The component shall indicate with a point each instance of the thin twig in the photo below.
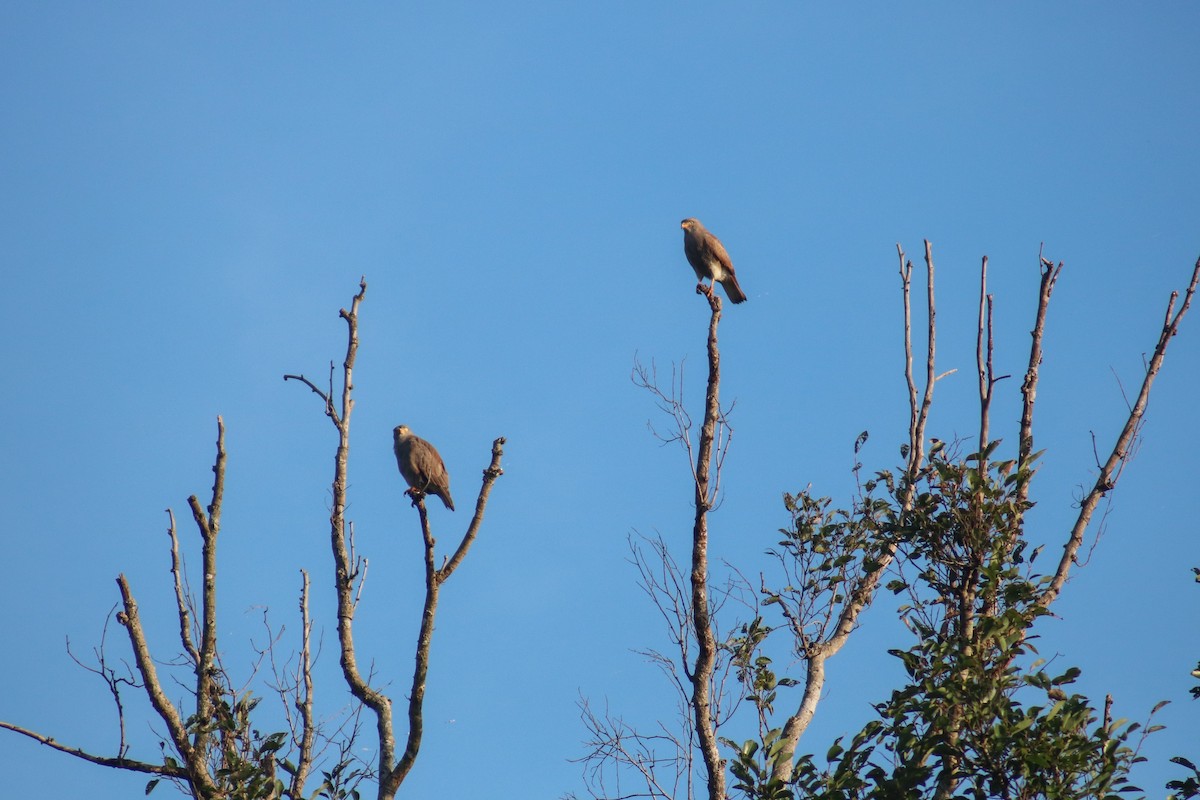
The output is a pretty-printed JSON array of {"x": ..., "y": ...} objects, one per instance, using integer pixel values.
[
  {"x": 110, "y": 678},
  {"x": 181, "y": 596}
]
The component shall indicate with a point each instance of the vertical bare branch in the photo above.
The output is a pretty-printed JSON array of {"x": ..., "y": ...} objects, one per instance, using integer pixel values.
[
  {"x": 1050, "y": 274},
  {"x": 692, "y": 608},
  {"x": 209, "y": 525},
  {"x": 391, "y": 781},
  {"x": 983, "y": 362},
  {"x": 343, "y": 566},
  {"x": 344, "y": 572},
  {"x": 918, "y": 414},
  {"x": 304, "y": 702},
  {"x": 909, "y": 379},
  {"x": 922, "y": 417},
  {"x": 706, "y": 643},
  {"x": 1110, "y": 472}
]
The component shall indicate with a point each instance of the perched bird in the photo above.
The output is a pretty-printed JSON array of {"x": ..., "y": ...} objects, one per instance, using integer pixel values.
[
  {"x": 708, "y": 258},
  {"x": 421, "y": 466}
]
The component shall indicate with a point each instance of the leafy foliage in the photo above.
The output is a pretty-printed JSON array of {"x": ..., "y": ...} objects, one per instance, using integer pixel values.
[
  {"x": 979, "y": 716},
  {"x": 1190, "y": 786}
]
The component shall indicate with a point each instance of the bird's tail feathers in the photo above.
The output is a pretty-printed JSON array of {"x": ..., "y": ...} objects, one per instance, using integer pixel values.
[{"x": 733, "y": 289}]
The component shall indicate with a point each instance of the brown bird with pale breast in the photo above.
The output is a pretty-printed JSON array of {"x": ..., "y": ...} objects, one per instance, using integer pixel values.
[
  {"x": 708, "y": 258},
  {"x": 420, "y": 464}
]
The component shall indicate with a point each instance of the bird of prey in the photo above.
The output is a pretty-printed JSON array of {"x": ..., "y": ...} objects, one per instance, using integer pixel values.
[
  {"x": 421, "y": 466},
  {"x": 708, "y": 258}
]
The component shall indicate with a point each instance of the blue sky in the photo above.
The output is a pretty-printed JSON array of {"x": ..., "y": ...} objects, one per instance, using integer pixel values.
[{"x": 191, "y": 193}]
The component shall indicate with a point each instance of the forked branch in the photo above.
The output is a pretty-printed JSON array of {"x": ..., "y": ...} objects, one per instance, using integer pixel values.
[
  {"x": 391, "y": 771},
  {"x": 434, "y": 578}
]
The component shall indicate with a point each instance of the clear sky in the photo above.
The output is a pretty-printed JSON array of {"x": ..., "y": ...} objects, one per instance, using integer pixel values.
[{"x": 189, "y": 193}]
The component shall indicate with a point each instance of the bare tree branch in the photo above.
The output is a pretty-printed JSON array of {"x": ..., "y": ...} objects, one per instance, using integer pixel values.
[
  {"x": 614, "y": 742},
  {"x": 702, "y": 672},
  {"x": 1106, "y": 481},
  {"x": 209, "y": 525},
  {"x": 490, "y": 475},
  {"x": 304, "y": 700},
  {"x": 861, "y": 591},
  {"x": 391, "y": 772},
  {"x": 197, "y": 770},
  {"x": 183, "y": 606},
  {"x": 344, "y": 573},
  {"x": 1050, "y": 274},
  {"x": 111, "y": 679},
  {"x": 686, "y": 606},
  {"x": 918, "y": 415},
  {"x": 434, "y": 578},
  {"x": 104, "y": 761},
  {"x": 326, "y": 397},
  {"x": 983, "y": 362}
]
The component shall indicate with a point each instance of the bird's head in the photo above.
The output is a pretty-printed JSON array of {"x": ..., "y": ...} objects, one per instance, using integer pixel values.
[
  {"x": 690, "y": 224},
  {"x": 400, "y": 431}
]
